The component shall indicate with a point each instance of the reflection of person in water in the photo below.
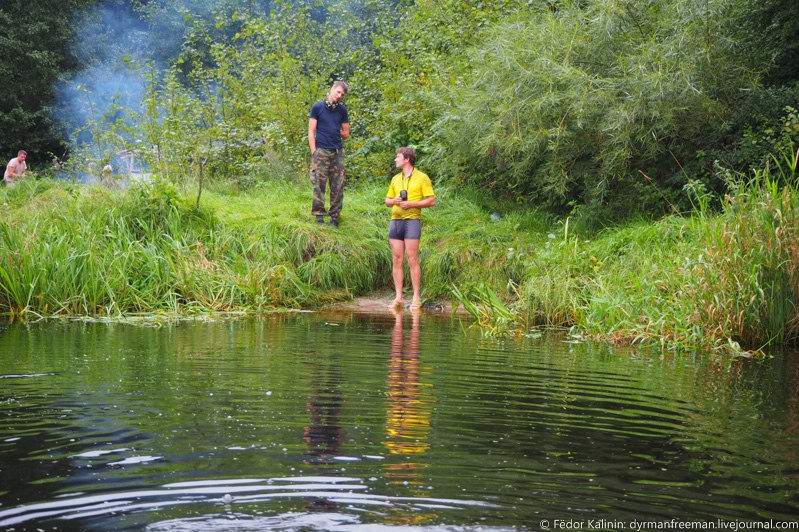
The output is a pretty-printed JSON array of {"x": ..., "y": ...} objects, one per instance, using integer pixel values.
[
  {"x": 408, "y": 418},
  {"x": 324, "y": 434}
]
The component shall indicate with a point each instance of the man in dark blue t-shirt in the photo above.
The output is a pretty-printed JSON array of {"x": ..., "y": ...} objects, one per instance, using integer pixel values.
[{"x": 328, "y": 123}]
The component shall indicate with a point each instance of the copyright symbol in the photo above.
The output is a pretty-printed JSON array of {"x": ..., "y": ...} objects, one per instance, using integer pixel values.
[{"x": 544, "y": 524}]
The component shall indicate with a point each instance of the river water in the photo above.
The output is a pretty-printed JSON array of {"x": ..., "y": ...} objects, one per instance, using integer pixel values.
[{"x": 341, "y": 422}]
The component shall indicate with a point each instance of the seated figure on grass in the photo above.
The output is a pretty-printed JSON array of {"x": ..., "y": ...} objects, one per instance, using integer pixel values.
[{"x": 410, "y": 191}]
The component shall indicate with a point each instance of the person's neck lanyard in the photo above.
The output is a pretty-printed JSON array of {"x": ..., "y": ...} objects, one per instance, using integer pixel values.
[{"x": 404, "y": 184}]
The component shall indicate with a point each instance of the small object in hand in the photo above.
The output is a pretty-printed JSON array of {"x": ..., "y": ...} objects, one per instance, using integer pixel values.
[{"x": 404, "y": 195}]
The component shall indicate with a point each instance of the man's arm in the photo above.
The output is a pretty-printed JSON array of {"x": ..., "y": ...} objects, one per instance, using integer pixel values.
[
  {"x": 392, "y": 198},
  {"x": 429, "y": 201},
  {"x": 312, "y": 134},
  {"x": 345, "y": 130}
]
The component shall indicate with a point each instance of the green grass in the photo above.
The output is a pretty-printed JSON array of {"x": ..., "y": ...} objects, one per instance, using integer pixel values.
[{"x": 705, "y": 281}]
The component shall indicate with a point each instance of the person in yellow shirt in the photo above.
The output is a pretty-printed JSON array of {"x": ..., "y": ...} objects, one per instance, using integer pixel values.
[{"x": 410, "y": 191}]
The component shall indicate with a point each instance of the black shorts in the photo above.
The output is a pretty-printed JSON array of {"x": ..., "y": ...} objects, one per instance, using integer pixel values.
[{"x": 405, "y": 229}]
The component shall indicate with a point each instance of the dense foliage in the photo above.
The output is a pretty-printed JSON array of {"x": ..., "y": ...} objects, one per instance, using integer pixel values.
[
  {"x": 598, "y": 99},
  {"x": 596, "y": 109},
  {"x": 594, "y": 105},
  {"x": 709, "y": 281}
]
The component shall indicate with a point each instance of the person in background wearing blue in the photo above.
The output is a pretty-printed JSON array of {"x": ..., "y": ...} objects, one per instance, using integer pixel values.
[{"x": 328, "y": 124}]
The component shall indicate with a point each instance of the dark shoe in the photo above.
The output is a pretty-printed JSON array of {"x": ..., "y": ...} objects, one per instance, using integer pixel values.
[
  {"x": 334, "y": 222},
  {"x": 320, "y": 220}
]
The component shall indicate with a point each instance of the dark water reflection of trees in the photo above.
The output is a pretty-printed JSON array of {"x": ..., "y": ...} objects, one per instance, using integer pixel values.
[{"x": 412, "y": 406}]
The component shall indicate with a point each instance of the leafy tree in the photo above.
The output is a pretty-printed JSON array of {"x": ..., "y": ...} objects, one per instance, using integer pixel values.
[
  {"x": 597, "y": 100},
  {"x": 265, "y": 77},
  {"x": 425, "y": 52},
  {"x": 33, "y": 55},
  {"x": 779, "y": 25}
]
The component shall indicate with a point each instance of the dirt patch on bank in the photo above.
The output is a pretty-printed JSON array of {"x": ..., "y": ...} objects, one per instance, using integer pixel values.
[{"x": 380, "y": 303}]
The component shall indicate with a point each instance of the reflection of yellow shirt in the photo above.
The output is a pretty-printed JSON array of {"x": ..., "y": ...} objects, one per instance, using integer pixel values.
[
  {"x": 418, "y": 186},
  {"x": 409, "y": 409}
]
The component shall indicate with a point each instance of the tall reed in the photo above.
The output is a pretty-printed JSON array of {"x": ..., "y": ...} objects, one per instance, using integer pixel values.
[{"x": 747, "y": 281}]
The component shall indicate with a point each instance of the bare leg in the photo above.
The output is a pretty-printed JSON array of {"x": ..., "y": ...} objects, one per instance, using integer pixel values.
[
  {"x": 397, "y": 251},
  {"x": 412, "y": 250}
]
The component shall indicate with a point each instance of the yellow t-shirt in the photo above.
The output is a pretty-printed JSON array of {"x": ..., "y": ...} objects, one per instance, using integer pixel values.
[{"x": 418, "y": 186}]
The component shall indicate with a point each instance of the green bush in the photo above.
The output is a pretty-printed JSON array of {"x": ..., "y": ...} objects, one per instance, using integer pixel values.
[{"x": 592, "y": 100}]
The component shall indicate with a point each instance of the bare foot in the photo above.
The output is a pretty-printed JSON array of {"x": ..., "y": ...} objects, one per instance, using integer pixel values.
[
  {"x": 397, "y": 303},
  {"x": 416, "y": 303}
]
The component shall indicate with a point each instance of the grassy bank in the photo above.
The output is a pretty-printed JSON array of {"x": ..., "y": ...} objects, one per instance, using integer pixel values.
[{"x": 708, "y": 281}]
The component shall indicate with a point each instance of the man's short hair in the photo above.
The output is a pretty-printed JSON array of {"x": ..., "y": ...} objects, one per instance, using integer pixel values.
[
  {"x": 341, "y": 83},
  {"x": 408, "y": 153},
  {"x": 22, "y": 152}
]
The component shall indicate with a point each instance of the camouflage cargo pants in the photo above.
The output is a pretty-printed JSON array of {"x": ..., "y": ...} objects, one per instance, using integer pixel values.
[{"x": 327, "y": 166}]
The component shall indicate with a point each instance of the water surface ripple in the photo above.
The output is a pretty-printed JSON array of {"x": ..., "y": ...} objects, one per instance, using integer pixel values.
[{"x": 341, "y": 422}]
